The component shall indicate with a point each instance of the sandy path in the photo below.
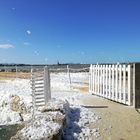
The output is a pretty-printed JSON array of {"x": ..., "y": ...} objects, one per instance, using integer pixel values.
[{"x": 118, "y": 122}]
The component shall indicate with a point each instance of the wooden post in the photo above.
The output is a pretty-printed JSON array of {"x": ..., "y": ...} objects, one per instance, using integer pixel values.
[
  {"x": 134, "y": 87},
  {"x": 16, "y": 72},
  {"x": 47, "y": 90},
  {"x": 90, "y": 79},
  {"x": 33, "y": 94},
  {"x": 68, "y": 71}
]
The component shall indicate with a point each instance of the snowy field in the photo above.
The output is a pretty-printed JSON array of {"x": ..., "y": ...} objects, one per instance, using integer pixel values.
[{"x": 79, "y": 117}]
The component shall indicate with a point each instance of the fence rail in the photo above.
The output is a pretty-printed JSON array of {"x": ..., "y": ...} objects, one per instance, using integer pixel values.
[{"x": 113, "y": 82}]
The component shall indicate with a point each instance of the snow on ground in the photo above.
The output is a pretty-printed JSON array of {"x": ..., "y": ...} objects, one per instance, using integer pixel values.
[
  {"x": 8, "y": 89},
  {"x": 79, "y": 117},
  {"x": 61, "y": 81},
  {"x": 42, "y": 126}
]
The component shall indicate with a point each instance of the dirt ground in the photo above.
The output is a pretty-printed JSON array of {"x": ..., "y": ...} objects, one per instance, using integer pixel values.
[
  {"x": 118, "y": 122},
  {"x": 13, "y": 75}
]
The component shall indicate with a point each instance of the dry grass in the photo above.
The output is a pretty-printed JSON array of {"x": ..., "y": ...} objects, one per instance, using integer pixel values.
[
  {"x": 83, "y": 89},
  {"x": 13, "y": 75}
]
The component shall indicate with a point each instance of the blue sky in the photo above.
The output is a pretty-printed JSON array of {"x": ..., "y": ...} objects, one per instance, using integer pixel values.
[{"x": 69, "y": 31}]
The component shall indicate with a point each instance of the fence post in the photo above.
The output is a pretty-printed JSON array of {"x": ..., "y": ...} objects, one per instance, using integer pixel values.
[
  {"x": 16, "y": 72},
  {"x": 68, "y": 72},
  {"x": 134, "y": 86},
  {"x": 33, "y": 94},
  {"x": 47, "y": 90},
  {"x": 129, "y": 84},
  {"x": 90, "y": 79}
]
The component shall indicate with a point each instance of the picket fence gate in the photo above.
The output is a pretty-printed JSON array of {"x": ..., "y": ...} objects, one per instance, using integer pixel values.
[{"x": 113, "y": 81}]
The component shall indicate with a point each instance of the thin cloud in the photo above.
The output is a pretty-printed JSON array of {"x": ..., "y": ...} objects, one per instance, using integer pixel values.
[
  {"x": 59, "y": 46},
  {"x": 6, "y": 46},
  {"x": 46, "y": 59},
  {"x": 36, "y": 52},
  {"x": 13, "y": 8},
  {"x": 28, "y": 32},
  {"x": 26, "y": 44}
]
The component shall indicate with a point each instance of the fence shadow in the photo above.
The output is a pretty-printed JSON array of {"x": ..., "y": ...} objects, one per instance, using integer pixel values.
[
  {"x": 95, "y": 106},
  {"x": 72, "y": 127},
  {"x": 138, "y": 110}
]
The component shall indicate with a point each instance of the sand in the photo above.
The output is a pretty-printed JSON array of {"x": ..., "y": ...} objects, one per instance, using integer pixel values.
[{"x": 118, "y": 122}]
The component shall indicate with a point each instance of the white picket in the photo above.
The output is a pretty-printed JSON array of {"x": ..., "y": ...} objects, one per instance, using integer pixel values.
[
  {"x": 129, "y": 85},
  {"x": 112, "y": 82},
  {"x": 109, "y": 82},
  {"x": 124, "y": 84},
  {"x": 103, "y": 80},
  {"x": 120, "y": 84}
]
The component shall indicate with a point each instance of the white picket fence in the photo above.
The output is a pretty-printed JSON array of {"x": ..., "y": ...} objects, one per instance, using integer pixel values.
[
  {"x": 40, "y": 81},
  {"x": 114, "y": 82}
]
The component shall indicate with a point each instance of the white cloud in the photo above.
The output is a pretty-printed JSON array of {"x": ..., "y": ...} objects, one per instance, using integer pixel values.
[
  {"x": 28, "y": 32},
  {"x": 82, "y": 53},
  {"x": 46, "y": 59},
  {"x": 13, "y": 8},
  {"x": 36, "y": 52},
  {"x": 6, "y": 46},
  {"x": 59, "y": 46},
  {"x": 26, "y": 43}
]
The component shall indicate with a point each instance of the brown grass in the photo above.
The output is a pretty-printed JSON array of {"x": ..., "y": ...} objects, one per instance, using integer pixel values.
[
  {"x": 83, "y": 89},
  {"x": 13, "y": 75}
]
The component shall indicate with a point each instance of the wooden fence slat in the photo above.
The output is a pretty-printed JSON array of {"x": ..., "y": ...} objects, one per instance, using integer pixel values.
[
  {"x": 95, "y": 79},
  {"x": 93, "y": 76},
  {"x": 116, "y": 83},
  {"x": 109, "y": 82},
  {"x": 113, "y": 87},
  {"x": 120, "y": 84},
  {"x": 90, "y": 79},
  {"x": 98, "y": 79},
  {"x": 101, "y": 80},
  {"x": 92, "y": 83},
  {"x": 124, "y": 84},
  {"x": 103, "y": 83},
  {"x": 129, "y": 84},
  {"x": 106, "y": 95}
]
